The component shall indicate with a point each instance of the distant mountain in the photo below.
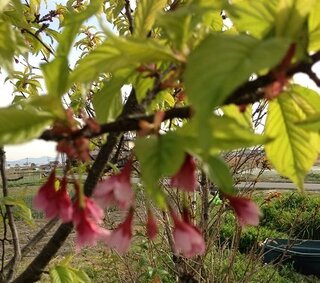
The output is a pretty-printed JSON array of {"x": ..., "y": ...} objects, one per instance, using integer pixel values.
[{"x": 36, "y": 160}]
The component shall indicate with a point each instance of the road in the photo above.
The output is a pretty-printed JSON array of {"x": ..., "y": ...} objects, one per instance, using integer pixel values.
[{"x": 280, "y": 186}]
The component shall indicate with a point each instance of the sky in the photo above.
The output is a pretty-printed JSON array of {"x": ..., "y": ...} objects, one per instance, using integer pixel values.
[{"x": 38, "y": 148}]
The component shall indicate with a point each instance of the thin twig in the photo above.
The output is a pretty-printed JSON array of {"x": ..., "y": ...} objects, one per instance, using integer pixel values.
[
  {"x": 11, "y": 223},
  {"x": 127, "y": 8}
]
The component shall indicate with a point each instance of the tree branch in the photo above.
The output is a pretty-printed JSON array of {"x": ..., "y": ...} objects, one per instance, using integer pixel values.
[
  {"x": 12, "y": 225},
  {"x": 249, "y": 92}
]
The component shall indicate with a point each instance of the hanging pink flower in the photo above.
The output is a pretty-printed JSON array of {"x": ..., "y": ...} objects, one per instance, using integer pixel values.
[
  {"x": 247, "y": 211},
  {"x": 54, "y": 202},
  {"x": 187, "y": 238},
  {"x": 63, "y": 201},
  {"x": 186, "y": 178},
  {"x": 152, "y": 226},
  {"x": 120, "y": 238},
  {"x": 43, "y": 199},
  {"x": 86, "y": 220},
  {"x": 116, "y": 189}
]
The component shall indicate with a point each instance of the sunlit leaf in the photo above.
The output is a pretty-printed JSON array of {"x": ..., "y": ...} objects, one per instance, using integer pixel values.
[
  {"x": 312, "y": 123},
  {"x": 314, "y": 27},
  {"x": 20, "y": 209},
  {"x": 292, "y": 16},
  {"x": 254, "y": 17},
  {"x": 145, "y": 15},
  {"x": 7, "y": 45},
  {"x": 60, "y": 274},
  {"x": 293, "y": 150}
]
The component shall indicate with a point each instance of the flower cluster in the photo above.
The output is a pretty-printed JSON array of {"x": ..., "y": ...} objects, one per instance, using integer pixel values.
[{"x": 87, "y": 214}]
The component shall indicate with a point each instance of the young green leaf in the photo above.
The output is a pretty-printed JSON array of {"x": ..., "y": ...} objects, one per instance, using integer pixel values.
[
  {"x": 312, "y": 123},
  {"x": 17, "y": 126},
  {"x": 293, "y": 150},
  {"x": 292, "y": 16},
  {"x": 61, "y": 274},
  {"x": 253, "y": 17},
  {"x": 145, "y": 15},
  {"x": 7, "y": 45},
  {"x": 223, "y": 62},
  {"x": 314, "y": 27},
  {"x": 20, "y": 209}
]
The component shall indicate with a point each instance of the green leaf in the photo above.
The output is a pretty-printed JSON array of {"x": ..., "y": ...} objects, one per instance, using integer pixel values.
[
  {"x": 293, "y": 150},
  {"x": 3, "y": 4},
  {"x": 56, "y": 72},
  {"x": 307, "y": 99},
  {"x": 177, "y": 26},
  {"x": 50, "y": 104},
  {"x": 312, "y": 123},
  {"x": 56, "y": 75},
  {"x": 292, "y": 16},
  {"x": 253, "y": 17},
  {"x": 142, "y": 85},
  {"x": 145, "y": 15},
  {"x": 118, "y": 53},
  {"x": 61, "y": 274},
  {"x": 158, "y": 157},
  {"x": 219, "y": 173},
  {"x": 7, "y": 45},
  {"x": 21, "y": 209},
  {"x": 243, "y": 118},
  {"x": 17, "y": 126},
  {"x": 218, "y": 134},
  {"x": 221, "y": 63},
  {"x": 107, "y": 102},
  {"x": 314, "y": 27},
  {"x": 79, "y": 276}
]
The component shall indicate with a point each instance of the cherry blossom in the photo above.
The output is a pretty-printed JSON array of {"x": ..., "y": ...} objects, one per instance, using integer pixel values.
[
  {"x": 86, "y": 220},
  {"x": 187, "y": 238},
  {"x": 54, "y": 202},
  {"x": 247, "y": 211},
  {"x": 152, "y": 226},
  {"x": 116, "y": 189},
  {"x": 186, "y": 178},
  {"x": 120, "y": 238}
]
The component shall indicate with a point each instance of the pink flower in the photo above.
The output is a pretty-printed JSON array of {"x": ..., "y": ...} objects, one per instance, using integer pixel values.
[
  {"x": 152, "y": 226},
  {"x": 116, "y": 189},
  {"x": 120, "y": 238},
  {"x": 86, "y": 220},
  {"x": 64, "y": 204},
  {"x": 186, "y": 178},
  {"x": 247, "y": 211},
  {"x": 187, "y": 238},
  {"x": 54, "y": 202}
]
